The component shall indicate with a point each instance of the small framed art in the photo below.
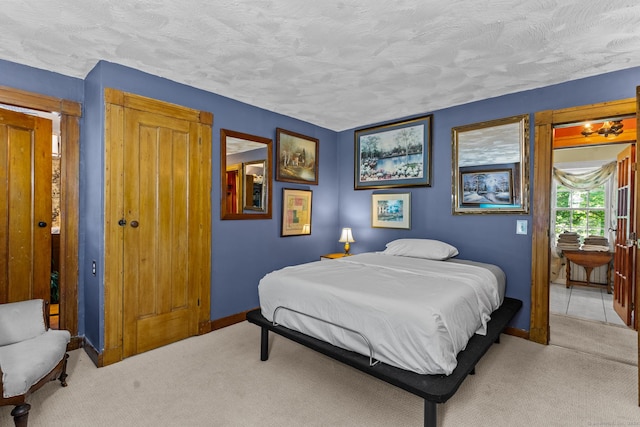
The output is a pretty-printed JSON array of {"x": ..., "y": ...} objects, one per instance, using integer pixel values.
[
  {"x": 296, "y": 157},
  {"x": 296, "y": 212},
  {"x": 391, "y": 210}
]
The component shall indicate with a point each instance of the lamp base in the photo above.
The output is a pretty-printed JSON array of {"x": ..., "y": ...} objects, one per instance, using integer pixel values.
[{"x": 347, "y": 246}]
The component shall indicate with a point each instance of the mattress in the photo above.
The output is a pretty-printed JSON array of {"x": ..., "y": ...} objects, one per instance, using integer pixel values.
[{"x": 411, "y": 313}]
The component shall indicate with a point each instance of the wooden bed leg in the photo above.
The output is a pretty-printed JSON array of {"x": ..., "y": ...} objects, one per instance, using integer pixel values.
[
  {"x": 430, "y": 414},
  {"x": 264, "y": 344}
]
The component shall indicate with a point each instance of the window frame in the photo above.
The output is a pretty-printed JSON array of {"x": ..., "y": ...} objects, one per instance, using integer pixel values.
[{"x": 610, "y": 206}]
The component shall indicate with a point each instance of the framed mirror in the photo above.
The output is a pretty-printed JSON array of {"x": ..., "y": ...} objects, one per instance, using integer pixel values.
[
  {"x": 245, "y": 164},
  {"x": 491, "y": 167}
]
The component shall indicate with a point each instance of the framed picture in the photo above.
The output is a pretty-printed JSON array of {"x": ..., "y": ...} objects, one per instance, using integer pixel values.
[
  {"x": 296, "y": 212},
  {"x": 296, "y": 157},
  {"x": 490, "y": 165},
  {"x": 391, "y": 210},
  {"x": 488, "y": 186},
  {"x": 394, "y": 155}
]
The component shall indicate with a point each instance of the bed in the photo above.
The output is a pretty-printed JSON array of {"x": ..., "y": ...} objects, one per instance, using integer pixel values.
[{"x": 411, "y": 315}]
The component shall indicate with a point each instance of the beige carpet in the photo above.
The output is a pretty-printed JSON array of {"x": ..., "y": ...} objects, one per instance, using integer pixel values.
[
  {"x": 605, "y": 340},
  {"x": 218, "y": 380}
]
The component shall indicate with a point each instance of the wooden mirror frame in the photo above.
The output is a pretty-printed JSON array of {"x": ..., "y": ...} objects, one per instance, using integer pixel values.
[{"x": 268, "y": 182}]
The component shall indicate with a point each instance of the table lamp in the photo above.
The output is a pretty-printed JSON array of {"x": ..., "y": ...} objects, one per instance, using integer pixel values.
[{"x": 346, "y": 237}]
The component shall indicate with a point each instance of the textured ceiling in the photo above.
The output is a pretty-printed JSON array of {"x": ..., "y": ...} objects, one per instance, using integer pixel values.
[{"x": 334, "y": 63}]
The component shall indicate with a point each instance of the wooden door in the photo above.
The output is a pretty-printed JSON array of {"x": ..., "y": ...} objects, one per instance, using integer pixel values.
[
  {"x": 160, "y": 304},
  {"x": 625, "y": 253},
  {"x": 233, "y": 176},
  {"x": 25, "y": 209},
  {"x": 636, "y": 289},
  {"x": 158, "y": 225}
]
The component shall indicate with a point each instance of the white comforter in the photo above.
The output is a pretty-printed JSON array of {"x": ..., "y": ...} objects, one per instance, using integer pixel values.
[{"x": 417, "y": 314}]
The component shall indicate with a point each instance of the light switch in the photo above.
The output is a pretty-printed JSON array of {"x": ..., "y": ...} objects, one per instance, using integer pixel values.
[{"x": 521, "y": 226}]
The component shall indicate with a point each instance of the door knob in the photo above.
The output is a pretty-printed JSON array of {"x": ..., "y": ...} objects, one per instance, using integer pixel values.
[
  {"x": 42, "y": 224},
  {"x": 134, "y": 224}
]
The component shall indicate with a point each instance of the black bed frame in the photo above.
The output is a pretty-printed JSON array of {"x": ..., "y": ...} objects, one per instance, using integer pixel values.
[{"x": 433, "y": 389}]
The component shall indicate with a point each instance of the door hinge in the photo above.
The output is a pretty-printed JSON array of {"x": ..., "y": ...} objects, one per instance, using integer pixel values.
[{"x": 634, "y": 167}]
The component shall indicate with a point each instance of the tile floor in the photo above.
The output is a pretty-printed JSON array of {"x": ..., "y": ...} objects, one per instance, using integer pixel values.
[{"x": 580, "y": 301}]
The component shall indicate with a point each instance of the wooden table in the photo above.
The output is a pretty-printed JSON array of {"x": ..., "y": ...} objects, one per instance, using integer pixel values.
[{"x": 589, "y": 260}]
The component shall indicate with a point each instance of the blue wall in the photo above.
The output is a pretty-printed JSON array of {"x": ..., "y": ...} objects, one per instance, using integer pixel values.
[
  {"x": 336, "y": 204},
  {"x": 488, "y": 238},
  {"x": 242, "y": 251},
  {"x": 31, "y": 79}
]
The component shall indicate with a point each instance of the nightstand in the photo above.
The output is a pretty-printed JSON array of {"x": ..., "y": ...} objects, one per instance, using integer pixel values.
[{"x": 333, "y": 256}]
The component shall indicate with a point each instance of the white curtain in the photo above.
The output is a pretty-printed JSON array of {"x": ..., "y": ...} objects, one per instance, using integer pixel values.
[{"x": 585, "y": 181}]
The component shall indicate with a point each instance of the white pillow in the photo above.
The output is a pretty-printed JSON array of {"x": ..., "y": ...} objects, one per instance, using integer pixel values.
[{"x": 421, "y": 248}]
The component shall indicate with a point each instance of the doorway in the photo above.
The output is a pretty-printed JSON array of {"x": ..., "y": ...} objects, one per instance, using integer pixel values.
[
  {"x": 585, "y": 213},
  {"x": 70, "y": 112},
  {"x": 51, "y": 218},
  {"x": 544, "y": 124}
]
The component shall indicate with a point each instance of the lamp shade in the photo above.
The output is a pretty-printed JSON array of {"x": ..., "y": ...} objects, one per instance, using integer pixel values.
[{"x": 346, "y": 236}]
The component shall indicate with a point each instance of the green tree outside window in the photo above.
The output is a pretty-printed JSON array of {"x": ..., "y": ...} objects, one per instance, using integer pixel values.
[{"x": 582, "y": 212}]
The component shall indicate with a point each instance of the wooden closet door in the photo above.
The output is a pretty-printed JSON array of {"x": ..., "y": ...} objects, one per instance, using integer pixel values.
[
  {"x": 25, "y": 207},
  {"x": 161, "y": 304},
  {"x": 157, "y": 230}
]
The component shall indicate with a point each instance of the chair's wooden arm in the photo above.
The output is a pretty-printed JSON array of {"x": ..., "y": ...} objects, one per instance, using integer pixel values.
[{"x": 45, "y": 312}]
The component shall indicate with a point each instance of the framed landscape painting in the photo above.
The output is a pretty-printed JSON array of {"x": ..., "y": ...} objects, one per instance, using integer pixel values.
[
  {"x": 296, "y": 157},
  {"x": 394, "y": 155},
  {"x": 488, "y": 186},
  {"x": 391, "y": 210}
]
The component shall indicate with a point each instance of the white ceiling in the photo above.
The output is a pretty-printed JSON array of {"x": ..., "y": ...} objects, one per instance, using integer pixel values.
[{"x": 335, "y": 63}]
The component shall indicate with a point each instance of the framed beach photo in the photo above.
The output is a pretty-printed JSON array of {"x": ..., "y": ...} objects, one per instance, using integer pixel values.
[
  {"x": 391, "y": 210},
  {"x": 394, "y": 155},
  {"x": 296, "y": 157},
  {"x": 296, "y": 212}
]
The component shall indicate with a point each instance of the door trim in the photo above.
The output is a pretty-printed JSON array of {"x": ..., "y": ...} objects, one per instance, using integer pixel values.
[
  {"x": 544, "y": 122},
  {"x": 71, "y": 112}
]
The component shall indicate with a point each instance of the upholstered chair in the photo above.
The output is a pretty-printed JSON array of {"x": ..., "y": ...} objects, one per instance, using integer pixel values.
[{"x": 31, "y": 354}]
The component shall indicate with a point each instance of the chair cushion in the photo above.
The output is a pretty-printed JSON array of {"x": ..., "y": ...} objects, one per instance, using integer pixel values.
[
  {"x": 25, "y": 363},
  {"x": 21, "y": 321}
]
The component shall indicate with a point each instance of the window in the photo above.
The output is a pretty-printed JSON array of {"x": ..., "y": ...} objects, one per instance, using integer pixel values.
[{"x": 583, "y": 212}]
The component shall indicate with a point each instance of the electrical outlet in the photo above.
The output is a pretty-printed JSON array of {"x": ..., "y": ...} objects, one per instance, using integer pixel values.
[{"x": 93, "y": 268}]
